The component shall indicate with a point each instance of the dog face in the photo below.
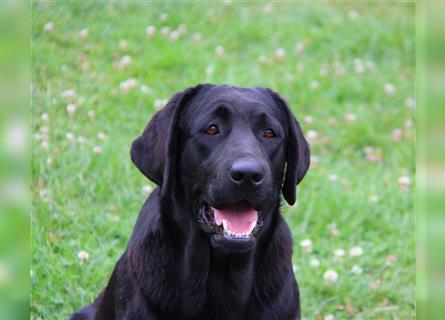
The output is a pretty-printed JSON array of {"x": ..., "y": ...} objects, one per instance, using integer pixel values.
[{"x": 225, "y": 150}]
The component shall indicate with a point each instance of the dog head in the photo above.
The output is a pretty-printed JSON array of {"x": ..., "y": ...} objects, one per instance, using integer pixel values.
[{"x": 228, "y": 152}]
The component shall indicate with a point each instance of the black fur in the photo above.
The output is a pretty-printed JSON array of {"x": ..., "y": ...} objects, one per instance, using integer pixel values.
[{"x": 172, "y": 267}]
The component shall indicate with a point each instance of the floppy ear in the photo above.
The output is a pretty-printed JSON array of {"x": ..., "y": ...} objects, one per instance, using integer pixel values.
[
  {"x": 297, "y": 153},
  {"x": 154, "y": 151}
]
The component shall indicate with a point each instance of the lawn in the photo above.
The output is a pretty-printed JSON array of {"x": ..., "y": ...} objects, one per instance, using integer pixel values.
[{"x": 100, "y": 71}]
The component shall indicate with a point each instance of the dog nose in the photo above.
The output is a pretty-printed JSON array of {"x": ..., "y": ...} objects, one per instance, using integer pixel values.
[{"x": 247, "y": 171}]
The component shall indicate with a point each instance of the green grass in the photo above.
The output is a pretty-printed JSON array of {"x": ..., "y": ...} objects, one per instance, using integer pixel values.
[{"x": 87, "y": 201}]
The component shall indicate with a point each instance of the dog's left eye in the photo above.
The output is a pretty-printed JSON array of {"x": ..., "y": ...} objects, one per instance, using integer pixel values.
[
  {"x": 212, "y": 130},
  {"x": 269, "y": 133}
]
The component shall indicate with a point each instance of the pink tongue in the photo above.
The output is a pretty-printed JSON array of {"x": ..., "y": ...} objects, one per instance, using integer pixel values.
[{"x": 238, "y": 220}]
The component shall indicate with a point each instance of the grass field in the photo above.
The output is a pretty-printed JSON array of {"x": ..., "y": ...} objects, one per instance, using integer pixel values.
[{"x": 99, "y": 74}]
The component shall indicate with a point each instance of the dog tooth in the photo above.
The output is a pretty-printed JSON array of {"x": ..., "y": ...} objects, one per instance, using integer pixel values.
[{"x": 225, "y": 227}]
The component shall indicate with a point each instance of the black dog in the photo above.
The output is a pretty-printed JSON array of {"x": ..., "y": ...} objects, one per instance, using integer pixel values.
[{"x": 210, "y": 242}]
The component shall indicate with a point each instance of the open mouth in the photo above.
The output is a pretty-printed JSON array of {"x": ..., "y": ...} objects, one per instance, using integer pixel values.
[{"x": 237, "y": 222}]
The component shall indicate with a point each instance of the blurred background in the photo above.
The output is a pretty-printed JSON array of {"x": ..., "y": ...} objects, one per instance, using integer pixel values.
[{"x": 100, "y": 71}]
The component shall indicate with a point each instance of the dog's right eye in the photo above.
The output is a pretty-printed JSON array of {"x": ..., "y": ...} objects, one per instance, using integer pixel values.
[{"x": 212, "y": 130}]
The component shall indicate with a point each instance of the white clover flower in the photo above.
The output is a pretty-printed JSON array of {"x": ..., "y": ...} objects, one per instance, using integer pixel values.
[
  {"x": 359, "y": 66},
  {"x": 124, "y": 62},
  {"x": 396, "y": 134},
  {"x": 333, "y": 177},
  {"x": 306, "y": 244},
  {"x": 356, "y": 269},
  {"x": 373, "y": 154},
  {"x": 209, "y": 70},
  {"x": 127, "y": 85},
  {"x": 174, "y": 35},
  {"x": 147, "y": 189},
  {"x": 299, "y": 47},
  {"x": 101, "y": 136},
  {"x": 211, "y": 14},
  {"x": 314, "y": 262},
  {"x": 197, "y": 37},
  {"x": 83, "y": 256},
  {"x": 404, "y": 182},
  {"x": 97, "y": 149},
  {"x": 410, "y": 103},
  {"x": 314, "y": 85},
  {"x": 165, "y": 30},
  {"x": 49, "y": 161},
  {"x": 356, "y": 251},
  {"x": 333, "y": 229},
  {"x": 350, "y": 117},
  {"x": 311, "y": 136},
  {"x": 391, "y": 259},
  {"x": 123, "y": 45},
  {"x": 150, "y": 31},
  {"x": 314, "y": 161},
  {"x": 339, "y": 254},
  {"x": 373, "y": 198},
  {"x": 353, "y": 15},
  {"x": 389, "y": 89},
  {"x": 85, "y": 66},
  {"x": 219, "y": 50},
  {"x": 182, "y": 29},
  {"x": 69, "y": 94},
  {"x": 330, "y": 276},
  {"x": 409, "y": 123},
  {"x": 69, "y": 136},
  {"x": 145, "y": 89},
  {"x": 48, "y": 27},
  {"x": 84, "y": 33},
  {"x": 71, "y": 108},
  {"x": 45, "y": 144},
  {"x": 80, "y": 102},
  {"x": 280, "y": 54},
  {"x": 44, "y": 117},
  {"x": 329, "y": 317},
  {"x": 113, "y": 217},
  {"x": 339, "y": 70},
  {"x": 324, "y": 70},
  {"x": 159, "y": 104},
  {"x": 308, "y": 119},
  {"x": 91, "y": 114},
  {"x": 262, "y": 59}
]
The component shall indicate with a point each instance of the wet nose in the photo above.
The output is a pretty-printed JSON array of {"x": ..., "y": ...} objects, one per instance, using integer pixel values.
[{"x": 247, "y": 172}]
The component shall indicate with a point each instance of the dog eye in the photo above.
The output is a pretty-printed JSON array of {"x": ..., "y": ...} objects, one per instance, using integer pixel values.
[
  {"x": 269, "y": 133},
  {"x": 212, "y": 130}
]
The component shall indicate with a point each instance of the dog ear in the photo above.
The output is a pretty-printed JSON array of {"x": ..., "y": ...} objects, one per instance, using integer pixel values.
[
  {"x": 297, "y": 153},
  {"x": 154, "y": 151}
]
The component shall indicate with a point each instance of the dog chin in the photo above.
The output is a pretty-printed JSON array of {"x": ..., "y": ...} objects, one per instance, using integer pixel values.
[{"x": 232, "y": 245}]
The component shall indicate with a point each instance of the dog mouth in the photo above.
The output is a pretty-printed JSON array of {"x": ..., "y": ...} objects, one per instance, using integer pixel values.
[{"x": 236, "y": 222}]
